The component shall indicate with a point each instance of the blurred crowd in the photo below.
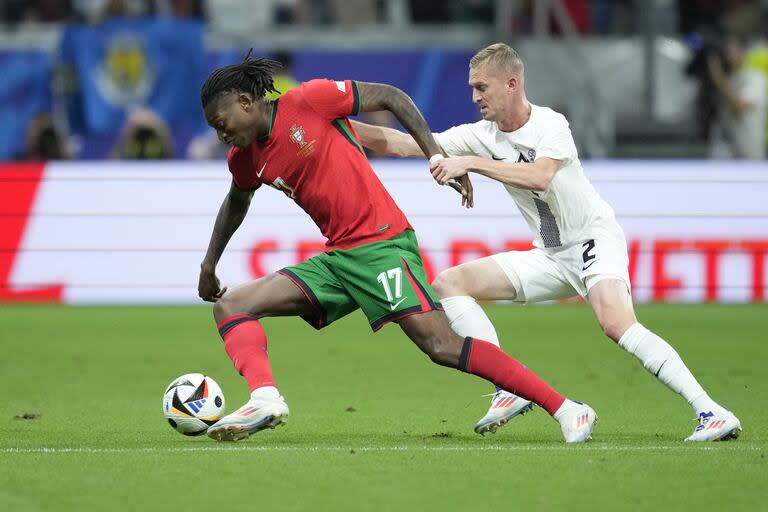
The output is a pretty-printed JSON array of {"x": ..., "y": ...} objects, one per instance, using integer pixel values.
[
  {"x": 588, "y": 17},
  {"x": 728, "y": 40}
]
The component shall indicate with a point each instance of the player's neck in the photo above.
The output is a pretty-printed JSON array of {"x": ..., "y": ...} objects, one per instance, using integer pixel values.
[
  {"x": 520, "y": 115},
  {"x": 265, "y": 120}
]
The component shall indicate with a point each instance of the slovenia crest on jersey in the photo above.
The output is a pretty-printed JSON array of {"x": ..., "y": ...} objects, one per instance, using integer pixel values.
[
  {"x": 299, "y": 137},
  {"x": 531, "y": 155}
]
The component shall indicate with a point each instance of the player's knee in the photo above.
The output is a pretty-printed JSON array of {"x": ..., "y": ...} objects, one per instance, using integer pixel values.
[
  {"x": 228, "y": 306},
  {"x": 614, "y": 329},
  {"x": 448, "y": 283}
]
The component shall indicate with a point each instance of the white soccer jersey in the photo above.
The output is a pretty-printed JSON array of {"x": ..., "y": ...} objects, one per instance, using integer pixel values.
[{"x": 570, "y": 211}]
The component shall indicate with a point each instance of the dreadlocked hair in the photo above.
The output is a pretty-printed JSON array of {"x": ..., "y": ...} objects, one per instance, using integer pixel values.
[{"x": 254, "y": 76}]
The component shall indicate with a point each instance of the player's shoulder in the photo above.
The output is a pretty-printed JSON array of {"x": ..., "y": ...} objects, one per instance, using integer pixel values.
[
  {"x": 480, "y": 128},
  {"x": 321, "y": 85},
  {"x": 548, "y": 116}
]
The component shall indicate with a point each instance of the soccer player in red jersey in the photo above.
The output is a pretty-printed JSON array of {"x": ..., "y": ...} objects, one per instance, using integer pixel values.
[{"x": 303, "y": 145}]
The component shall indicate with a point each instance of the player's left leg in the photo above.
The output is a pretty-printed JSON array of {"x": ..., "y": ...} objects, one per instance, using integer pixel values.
[
  {"x": 612, "y": 303},
  {"x": 308, "y": 290}
]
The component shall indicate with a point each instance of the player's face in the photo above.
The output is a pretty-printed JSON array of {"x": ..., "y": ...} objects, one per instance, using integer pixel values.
[
  {"x": 492, "y": 91},
  {"x": 234, "y": 116}
]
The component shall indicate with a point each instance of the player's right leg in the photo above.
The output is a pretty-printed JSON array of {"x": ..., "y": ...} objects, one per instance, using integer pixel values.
[
  {"x": 237, "y": 314},
  {"x": 431, "y": 332},
  {"x": 459, "y": 289}
]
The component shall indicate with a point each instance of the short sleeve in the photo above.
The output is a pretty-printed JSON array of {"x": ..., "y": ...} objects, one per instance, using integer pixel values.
[
  {"x": 557, "y": 142},
  {"x": 332, "y": 99},
  {"x": 456, "y": 141},
  {"x": 239, "y": 162}
]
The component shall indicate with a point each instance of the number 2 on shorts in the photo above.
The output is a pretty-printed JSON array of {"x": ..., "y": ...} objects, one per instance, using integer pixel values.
[{"x": 384, "y": 278}]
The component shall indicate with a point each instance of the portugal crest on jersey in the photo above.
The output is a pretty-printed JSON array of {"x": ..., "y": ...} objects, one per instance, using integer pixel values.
[{"x": 299, "y": 136}]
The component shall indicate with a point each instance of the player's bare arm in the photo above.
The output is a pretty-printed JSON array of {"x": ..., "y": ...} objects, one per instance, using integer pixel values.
[
  {"x": 386, "y": 141},
  {"x": 230, "y": 216},
  {"x": 536, "y": 175},
  {"x": 375, "y": 97}
]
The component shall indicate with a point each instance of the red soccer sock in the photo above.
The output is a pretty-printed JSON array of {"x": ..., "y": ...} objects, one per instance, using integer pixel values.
[
  {"x": 488, "y": 361},
  {"x": 246, "y": 344}
]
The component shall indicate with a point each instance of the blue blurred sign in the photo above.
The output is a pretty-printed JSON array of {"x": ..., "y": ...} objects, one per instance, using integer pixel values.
[
  {"x": 127, "y": 63},
  {"x": 24, "y": 92}
]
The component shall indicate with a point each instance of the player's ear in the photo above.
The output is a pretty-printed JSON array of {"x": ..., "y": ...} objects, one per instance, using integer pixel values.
[{"x": 245, "y": 101}]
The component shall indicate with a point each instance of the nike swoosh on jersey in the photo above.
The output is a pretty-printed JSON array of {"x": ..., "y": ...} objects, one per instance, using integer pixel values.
[
  {"x": 393, "y": 306},
  {"x": 496, "y": 158},
  {"x": 585, "y": 267},
  {"x": 258, "y": 174}
]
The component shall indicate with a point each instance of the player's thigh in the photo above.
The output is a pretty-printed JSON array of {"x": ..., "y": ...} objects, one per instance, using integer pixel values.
[
  {"x": 322, "y": 287},
  {"x": 482, "y": 279},
  {"x": 611, "y": 302},
  {"x": 386, "y": 278},
  {"x": 535, "y": 275},
  {"x": 272, "y": 295}
]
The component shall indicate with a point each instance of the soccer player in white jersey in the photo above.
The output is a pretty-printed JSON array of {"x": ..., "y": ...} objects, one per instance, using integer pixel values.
[{"x": 579, "y": 247}]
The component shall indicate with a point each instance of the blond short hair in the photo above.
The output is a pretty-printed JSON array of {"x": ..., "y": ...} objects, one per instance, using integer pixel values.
[{"x": 501, "y": 55}]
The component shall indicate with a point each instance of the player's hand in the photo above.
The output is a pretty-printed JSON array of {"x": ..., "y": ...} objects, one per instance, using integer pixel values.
[
  {"x": 449, "y": 168},
  {"x": 208, "y": 287},
  {"x": 463, "y": 186}
]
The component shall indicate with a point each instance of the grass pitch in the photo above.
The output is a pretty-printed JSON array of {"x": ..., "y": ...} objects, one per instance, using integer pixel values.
[{"x": 374, "y": 425}]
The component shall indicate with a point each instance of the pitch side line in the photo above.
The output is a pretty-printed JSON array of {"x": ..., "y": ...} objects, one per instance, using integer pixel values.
[{"x": 225, "y": 449}]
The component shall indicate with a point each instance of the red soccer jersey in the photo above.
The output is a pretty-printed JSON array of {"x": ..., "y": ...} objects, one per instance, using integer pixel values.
[{"x": 312, "y": 154}]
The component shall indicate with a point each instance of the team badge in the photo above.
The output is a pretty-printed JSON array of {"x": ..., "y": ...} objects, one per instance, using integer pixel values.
[
  {"x": 531, "y": 155},
  {"x": 299, "y": 136}
]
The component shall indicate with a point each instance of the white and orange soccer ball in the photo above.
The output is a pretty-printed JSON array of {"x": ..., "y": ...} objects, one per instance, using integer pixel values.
[{"x": 192, "y": 403}]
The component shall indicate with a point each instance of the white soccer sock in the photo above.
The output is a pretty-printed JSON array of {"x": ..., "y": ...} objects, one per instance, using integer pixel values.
[
  {"x": 266, "y": 393},
  {"x": 659, "y": 358},
  {"x": 565, "y": 406},
  {"x": 467, "y": 318}
]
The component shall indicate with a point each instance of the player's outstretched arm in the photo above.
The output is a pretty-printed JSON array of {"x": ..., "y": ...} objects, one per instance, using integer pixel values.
[
  {"x": 386, "y": 141},
  {"x": 375, "y": 97},
  {"x": 536, "y": 175},
  {"x": 230, "y": 216}
]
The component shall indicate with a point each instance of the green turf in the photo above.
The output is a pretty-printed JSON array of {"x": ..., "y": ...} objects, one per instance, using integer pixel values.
[{"x": 374, "y": 425}]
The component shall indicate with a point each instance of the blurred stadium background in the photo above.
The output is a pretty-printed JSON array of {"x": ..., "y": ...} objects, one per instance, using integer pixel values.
[
  {"x": 110, "y": 164},
  {"x": 110, "y": 179}
]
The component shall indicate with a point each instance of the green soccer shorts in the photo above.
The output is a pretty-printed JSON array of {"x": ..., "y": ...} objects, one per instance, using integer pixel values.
[{"x": 385, "y": 279}]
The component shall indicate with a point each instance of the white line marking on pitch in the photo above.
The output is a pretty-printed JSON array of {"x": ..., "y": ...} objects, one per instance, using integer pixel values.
[{"x": 593, "y": 448}]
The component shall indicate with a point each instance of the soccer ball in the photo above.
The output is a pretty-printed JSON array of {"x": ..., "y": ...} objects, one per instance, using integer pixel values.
[{"x": 192, "y": 403}]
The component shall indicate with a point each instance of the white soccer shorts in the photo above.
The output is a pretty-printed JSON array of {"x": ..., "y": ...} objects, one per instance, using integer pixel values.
[{"x": 551, "y": 274}]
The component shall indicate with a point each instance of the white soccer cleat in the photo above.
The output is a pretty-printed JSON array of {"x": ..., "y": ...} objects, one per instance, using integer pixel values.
[
  {"x": 577, "y": 423},
  {"x": 257, "y": 414},
  {"x": 504, "y": 407},
  {"x": 716, "y": 427}
]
